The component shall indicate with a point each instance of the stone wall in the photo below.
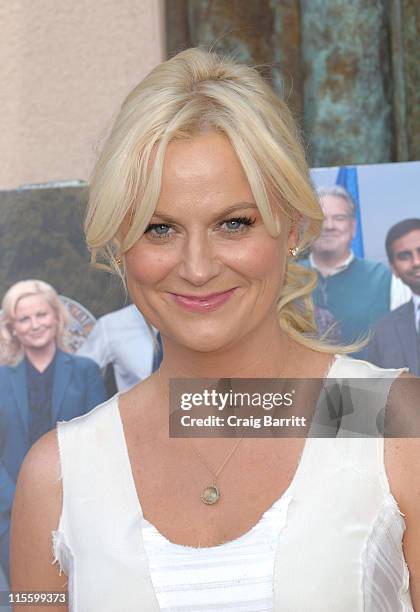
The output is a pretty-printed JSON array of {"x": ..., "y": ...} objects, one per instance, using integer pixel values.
[
  {"x": 41, "y": 237},
  {"x": 349, "y": 69}
]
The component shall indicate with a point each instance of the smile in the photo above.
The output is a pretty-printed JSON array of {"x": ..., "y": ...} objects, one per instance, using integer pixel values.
[{"x": 205, "y": 303}]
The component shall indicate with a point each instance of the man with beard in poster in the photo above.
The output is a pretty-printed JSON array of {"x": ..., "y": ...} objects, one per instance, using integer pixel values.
[{"x": 396, "y": 337}]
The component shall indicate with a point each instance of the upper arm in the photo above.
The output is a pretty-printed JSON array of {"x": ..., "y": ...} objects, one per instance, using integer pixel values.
[
  {"x": 36, "y": 513},
  {"x": 402, "y": 456}
]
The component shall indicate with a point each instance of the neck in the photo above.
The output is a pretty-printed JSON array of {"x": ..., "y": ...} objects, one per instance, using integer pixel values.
[
  {"x": 263, "y": 353},
  {"x": 41, "y": 358},
  {"x": 327, "y": 261}
]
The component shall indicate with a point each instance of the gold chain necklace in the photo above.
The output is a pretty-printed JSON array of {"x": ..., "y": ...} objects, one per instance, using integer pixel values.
[{"x": 211, "y": 494}]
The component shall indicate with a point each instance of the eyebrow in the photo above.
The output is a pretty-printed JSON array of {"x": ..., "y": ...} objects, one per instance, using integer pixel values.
[{"x": 221, "y": 215}]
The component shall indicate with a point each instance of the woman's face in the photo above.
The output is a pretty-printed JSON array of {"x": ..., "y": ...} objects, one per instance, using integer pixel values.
[
  {"x": 35, "y": 323},
  {"x": 206, "y": 272}
]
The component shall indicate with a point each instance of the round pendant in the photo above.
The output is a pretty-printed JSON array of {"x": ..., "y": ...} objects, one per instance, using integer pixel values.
[{"x": 210, "y": 495}]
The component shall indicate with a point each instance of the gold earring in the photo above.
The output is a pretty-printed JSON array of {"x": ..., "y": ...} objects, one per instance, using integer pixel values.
[
  {"x": 118, "y": 260},
  {"x": 294, "y": 251}
]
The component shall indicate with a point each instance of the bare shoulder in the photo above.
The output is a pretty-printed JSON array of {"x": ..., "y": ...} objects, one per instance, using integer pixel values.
[
  {"x": 42, "y": 463},
  {"x": 36, "y": 513},
  {"x": 309, "y": 363},
  {"x": 402, "y": 431},
  {"x": 138, "y": 408},
  {"x": 402, "y": 417},
  {"x": 402, "y": 462}
]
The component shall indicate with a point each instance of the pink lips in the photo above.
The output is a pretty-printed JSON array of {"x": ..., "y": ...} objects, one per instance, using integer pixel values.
[{"x": 205, "y": 303}]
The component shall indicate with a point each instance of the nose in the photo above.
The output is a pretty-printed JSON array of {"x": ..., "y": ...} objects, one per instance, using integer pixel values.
[
  {"x": 35, "y": 324},
  {"x": 200, "y": 262},
  {"x": 328, "y": 223}
]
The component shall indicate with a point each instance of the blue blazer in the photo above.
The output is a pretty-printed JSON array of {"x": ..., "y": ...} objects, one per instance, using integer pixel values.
[
  {"x": 394, "y": 341},
  {"x": 77, "y": 388}
]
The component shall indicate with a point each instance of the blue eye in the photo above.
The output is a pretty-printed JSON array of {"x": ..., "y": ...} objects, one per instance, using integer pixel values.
[
  {"x": 161, "y": 229},
  {"x": 158, "y": 230},
  {"x": 233, "y": 224},
  {"x": 238, "y": 223}
]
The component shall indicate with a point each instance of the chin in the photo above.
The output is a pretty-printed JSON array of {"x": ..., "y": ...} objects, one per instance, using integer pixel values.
[
  {"x": 204, "y": 341},
  {"x": 37, "y": 343},
  {"x": 40, "y": 344},
  {"x": 328, "y": 246}
]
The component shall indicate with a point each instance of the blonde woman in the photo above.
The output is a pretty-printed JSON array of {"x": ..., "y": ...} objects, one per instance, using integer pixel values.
[
  {"x": 201, "y": 199},
  {"x": 40, "y": 384}
]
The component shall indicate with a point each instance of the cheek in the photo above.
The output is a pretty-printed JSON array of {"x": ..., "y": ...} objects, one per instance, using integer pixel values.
[
  {"x": 258, "y": 261},
  {"x": 350, "y": 230},
  {"x": 403, "y": 268},
  {"x": 147, "y": 266},
  {"x": 21, "y": 330}
]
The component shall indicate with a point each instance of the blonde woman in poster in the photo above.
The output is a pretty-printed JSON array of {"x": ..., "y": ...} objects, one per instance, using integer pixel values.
[
  {"x": 41, "y": 384},
  {"x": 202, "y": 199}
]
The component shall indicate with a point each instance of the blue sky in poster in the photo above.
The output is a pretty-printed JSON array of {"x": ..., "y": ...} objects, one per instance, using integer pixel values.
[{"x": 388, "y": 193}]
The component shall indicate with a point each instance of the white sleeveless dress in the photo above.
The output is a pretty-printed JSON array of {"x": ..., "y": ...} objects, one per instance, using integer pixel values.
[{"x": 338, "y": 548}]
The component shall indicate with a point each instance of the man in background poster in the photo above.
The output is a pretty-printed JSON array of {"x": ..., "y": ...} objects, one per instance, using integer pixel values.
[
  {"x": 123, "y": 339},
  {"x": 356, "y": 291},
  {"x": 396, "y": 337}
]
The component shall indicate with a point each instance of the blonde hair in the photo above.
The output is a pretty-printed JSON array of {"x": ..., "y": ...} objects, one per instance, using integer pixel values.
[
  {"x": 193, "y": 92},
  {"x": 11, "y": 348}
]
